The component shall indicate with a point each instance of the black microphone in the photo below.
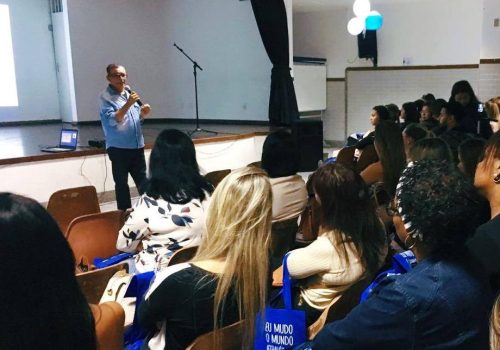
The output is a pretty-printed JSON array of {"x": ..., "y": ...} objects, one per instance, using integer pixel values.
[{"x": 127, "y": 88}]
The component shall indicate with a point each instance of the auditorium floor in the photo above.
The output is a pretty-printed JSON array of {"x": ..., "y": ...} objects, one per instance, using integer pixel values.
[{"x": 27, "y": 140}]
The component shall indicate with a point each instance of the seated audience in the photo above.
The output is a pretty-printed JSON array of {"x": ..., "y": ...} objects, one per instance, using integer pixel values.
[
  {"x": 171, "y": 212},
  {"x": 226, "y": 281},
  {"x": 475, "y": 120},
  {"x": 428, "y": 97},
  {"x": 444, "y": 302},
  {"x": 411, "y": 134},
  {"x": 351, "y": 244},
  {"x": 393, "y": 112},
  {"x": 431, "y": 149},
  {"x": 391, "y": 154},
  {"x": 378, "y": 114},
  {"x": 41, "y": 305},
  {"x": 419, "y": 103},
  {"x": 486, "y": 242},
  {"x": 469, "y": 153},
  {"x": 451, "y": 129},
  {"x": 281, "y": 162},
  {"x": 409, "y": 114},
  {"x": 492, "y": 108},
  {"x": 427, "y": 119}
]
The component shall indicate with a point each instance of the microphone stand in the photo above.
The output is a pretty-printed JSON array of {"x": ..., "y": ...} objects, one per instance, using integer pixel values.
[{"x": 195, "y": 67}]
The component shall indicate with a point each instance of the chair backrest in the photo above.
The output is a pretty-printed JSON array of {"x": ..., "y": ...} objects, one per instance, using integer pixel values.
[
  {"x": 309, "y": 218},
  {"x": 230, "y": 338},
  {"x": 93, "y": 283},
  {"x": 367, "y": 157},
  {"x": 346, "y": 157},
  {"x": 183, "y": 255},
  {"x": 257, "y": 164},
  {"x": 283, "y": 237},
  {"x": 109, "y": 325},
  {"x": 214, "y": 177},
  {"x": 66, "y": 205},
  {"x": 340, "y": 309},
  {"x": 95, "y": 235}
]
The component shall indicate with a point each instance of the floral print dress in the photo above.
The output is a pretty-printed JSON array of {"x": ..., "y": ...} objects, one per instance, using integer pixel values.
[{"x": 162, "y": 228}]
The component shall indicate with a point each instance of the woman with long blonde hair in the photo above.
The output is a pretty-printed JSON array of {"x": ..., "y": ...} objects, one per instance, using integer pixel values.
[
  {"x": 228, "y": 276},
  {"x": 495, "y": 326}
]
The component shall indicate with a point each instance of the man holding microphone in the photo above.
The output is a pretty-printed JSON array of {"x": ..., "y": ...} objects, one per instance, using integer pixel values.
[{"x": 121, "y": 112}]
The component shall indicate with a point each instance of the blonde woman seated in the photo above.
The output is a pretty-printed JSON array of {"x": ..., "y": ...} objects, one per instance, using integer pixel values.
[
  {"x": 171, "y": 212},
  {"x": 351, "y": 244},
  {"x": 226, "y": 281}
]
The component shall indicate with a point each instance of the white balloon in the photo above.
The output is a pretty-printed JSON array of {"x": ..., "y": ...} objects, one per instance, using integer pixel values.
[
  {"x": 355, "y": 26},
  {"x": 361, "y": 8}
]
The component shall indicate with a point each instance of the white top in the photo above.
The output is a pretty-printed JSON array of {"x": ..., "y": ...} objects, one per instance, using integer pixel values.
[
  {"x": 326, "y": 274},
  {"x": 289, "y": 197},
  {"x": 162, "y": 228}
]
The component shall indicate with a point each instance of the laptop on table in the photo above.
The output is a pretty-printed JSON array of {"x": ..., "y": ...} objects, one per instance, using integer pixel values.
[{"x": 67, "y": 142}]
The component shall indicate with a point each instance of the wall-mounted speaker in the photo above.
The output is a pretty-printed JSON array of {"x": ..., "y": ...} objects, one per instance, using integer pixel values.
[{"x": 367, "y": 45}]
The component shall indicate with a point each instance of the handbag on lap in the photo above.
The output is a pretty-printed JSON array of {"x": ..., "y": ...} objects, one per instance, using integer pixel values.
[{"x": 281, "y": 328}]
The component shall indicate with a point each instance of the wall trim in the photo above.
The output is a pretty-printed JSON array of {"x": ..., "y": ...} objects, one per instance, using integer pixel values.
[
  {"x": 489, "y": 61},
  {"x": 335, "y": 79},
  {"x": 33, "y": 122},
  {"x": 428, "y": 67},
  {"x": 189, "y": 121}
]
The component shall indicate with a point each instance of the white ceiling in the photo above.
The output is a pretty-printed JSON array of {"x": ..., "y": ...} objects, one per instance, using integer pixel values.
[{"x": 322, "y": 5}]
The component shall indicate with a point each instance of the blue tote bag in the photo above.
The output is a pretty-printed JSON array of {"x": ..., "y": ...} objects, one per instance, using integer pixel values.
[{"x": 280, "y": 329}]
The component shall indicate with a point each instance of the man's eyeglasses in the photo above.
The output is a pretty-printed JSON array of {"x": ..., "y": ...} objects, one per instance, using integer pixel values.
[{"x": 118, "y": 75}]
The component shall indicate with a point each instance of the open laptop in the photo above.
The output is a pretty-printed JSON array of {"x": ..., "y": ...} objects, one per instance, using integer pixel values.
[{"x": 67, "y": 142}]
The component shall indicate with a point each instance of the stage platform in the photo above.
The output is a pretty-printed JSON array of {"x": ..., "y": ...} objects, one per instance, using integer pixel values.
[
  {"x": 24, "y": 169},
  {"x": 22, "y": 143}
]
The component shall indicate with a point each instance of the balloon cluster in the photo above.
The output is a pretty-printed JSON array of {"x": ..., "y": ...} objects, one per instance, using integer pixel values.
[{"x": 365, "y": 18}]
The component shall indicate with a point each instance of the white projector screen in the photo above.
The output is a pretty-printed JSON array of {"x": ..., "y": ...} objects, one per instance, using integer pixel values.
[{"x": 8, "y": 88}]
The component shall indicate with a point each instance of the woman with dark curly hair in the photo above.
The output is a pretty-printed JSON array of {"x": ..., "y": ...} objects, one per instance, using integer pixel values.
[
  {"x": 431, "y": 149},
  {"x": 442, "y": 303}
]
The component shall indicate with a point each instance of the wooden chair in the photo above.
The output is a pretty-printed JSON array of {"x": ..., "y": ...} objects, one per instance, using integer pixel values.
[
  {"x": 93, "y": 283},
  {"x": 109, "y": 325},
  {"x": 214, "y": 177},
  {"x": 230, "y": 338},
  {"x": 309, "y": 219},
  {"x": 283, "y": 237},
  {"x": 346, "y": 157},
  {"x": 340, "y": 309},
  {"x": 257, "y": 164},
  {"x": 367, "y": 157},
  {"x": 94, "y": 235},
  {"x": 183, "y": 255},
  {"x": 66, "y": 205}
]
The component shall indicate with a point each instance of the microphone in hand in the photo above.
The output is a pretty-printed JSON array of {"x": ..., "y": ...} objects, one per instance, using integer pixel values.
[{"x": 127, "y": 88}]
